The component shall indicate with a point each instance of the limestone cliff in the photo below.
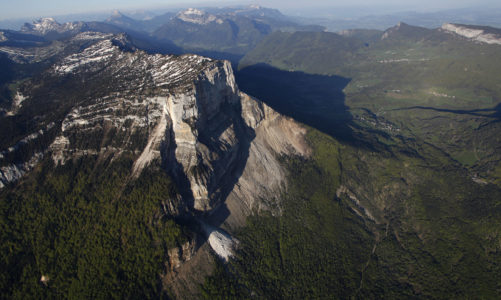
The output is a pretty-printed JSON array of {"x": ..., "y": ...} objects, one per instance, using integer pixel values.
[
  {"x": 184, "y": 114},
  {"x": 477, "y": 34}
]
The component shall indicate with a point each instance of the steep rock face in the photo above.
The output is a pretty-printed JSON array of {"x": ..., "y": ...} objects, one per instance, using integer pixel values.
[
  {"x": 208, "y": 133},
  {"x": 185, "y": 105},
  {"x": 474, "y": 33},
  {"x": 263, "y": 176},
  {"x": 184, "y": 112}
]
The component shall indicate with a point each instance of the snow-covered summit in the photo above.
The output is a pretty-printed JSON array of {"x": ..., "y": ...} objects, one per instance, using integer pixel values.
[
  {"x": 196, "y": 16},
  {"x": 46, "y": 25}
]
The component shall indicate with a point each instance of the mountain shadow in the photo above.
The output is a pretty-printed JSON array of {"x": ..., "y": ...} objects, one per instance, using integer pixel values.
[
  {"x": 494, "y": 112},
  {"x": 315, "y": 100}
]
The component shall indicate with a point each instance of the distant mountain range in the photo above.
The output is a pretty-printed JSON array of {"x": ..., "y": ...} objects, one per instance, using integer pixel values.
[
  {"x": 147, "y": 25},
  {"x": 231, "y": 30},
  {"x": 228, "y": 31}
]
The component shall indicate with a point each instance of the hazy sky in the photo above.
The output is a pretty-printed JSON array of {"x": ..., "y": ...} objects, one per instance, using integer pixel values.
[{"x": 10, "y": 9}]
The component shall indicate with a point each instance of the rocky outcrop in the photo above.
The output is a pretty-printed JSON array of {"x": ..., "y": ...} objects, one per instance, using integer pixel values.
[
  {"x": 473, "y": 33},
  {"x": 403, "y": 30},
  {"x": 391, "y": 31},
  {"x": 264, "y": 177},
  {"x": 14, "y": 172},
  {"x": 179, "y": 255}
]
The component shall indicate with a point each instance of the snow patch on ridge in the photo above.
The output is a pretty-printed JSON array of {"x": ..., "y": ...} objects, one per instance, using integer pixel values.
[
  {"x": 95, "y": 53},
  {"x": 45, "y": 25}
]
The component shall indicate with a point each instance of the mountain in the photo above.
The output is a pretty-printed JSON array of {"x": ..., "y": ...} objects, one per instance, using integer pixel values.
[
  {"x": 146, "y": 25},
  {"x": 406, "y": 32},
  {"x": 226, "y": 33},
  {"x": 198, "y": 30},
  {"x": 368, "y": 168},
  {"x": 151, "y": 24},
  {"x": 221, "y": 33},
  {"x": 120, "y": 20},
  {"x": 46, "y": 25},
  {"x": 50, "y": 29},
  {"x": 231, "y": 30},
  {"x": 272, "y": 17},
  {"x": 178, "y": 124}
]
